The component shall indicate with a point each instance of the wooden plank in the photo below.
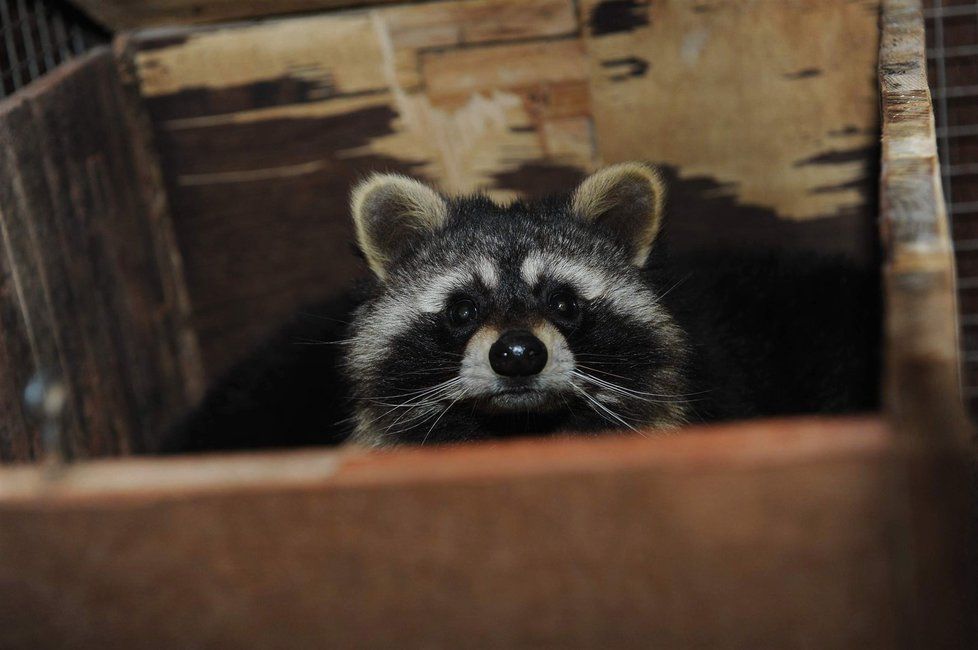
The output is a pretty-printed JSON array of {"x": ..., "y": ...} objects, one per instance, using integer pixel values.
[
  {"x": 763, "y": 112},
  {"x": 19, "y": 437},
  {"x": 781, "y": 534},
  {"x": 34, "y": 272},
  {"x": 262, "y": 129},
  {"x": 96, "y": 280},
  {"x": 922, "y": 390},
  {"x": 349, "y": 61},
  {"x": 118, "y": 15}
]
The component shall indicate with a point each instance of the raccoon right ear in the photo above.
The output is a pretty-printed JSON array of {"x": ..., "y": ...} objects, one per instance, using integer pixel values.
[
  {"x": 627, "y": 199},
  {"x": 390, "y": 212}
]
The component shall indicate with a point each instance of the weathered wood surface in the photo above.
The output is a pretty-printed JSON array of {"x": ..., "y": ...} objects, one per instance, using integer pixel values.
[
  {"x": 130, "y": 14},
  {"x": 767, "y": 136},
  {"x": 262, "y": 143},
  {"x": 766, "y": 111},
  {"x": 91, "y": 293},
  {"x": 922, "y": 389},
  {"x": 766, "y": 535}
]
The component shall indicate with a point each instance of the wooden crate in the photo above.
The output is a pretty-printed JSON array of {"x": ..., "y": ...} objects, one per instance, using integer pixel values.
[{"x": 156, "y": 229}]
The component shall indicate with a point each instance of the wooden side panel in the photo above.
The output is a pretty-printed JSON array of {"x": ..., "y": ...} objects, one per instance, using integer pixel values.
[
  {"x": 765, "y": 113},
  {"x": 921, "y": 367},
  {"x": 92, "y": 292},
  {"x": 922, "y": 388},
  {"x": 764, "y": 535},
  {"x": 263, "y": 128}
]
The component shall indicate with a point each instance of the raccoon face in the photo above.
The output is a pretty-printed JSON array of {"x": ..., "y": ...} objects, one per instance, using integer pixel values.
[{"x": 496, "y": 320}]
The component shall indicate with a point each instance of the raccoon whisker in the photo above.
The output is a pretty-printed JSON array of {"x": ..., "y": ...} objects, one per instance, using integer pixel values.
[
  {"x": 315, "y": 342},
  {"x": 321, "y": 317},
  {"x": 670, "y": 399},
  {"x": 603, "y": 372},
  {"x": 426, "y": 371},
  {"x": 603, "y": 410},
  {"x": 669, "y": 290},
  {"x": 621, "y": 390},
  {"x": 597, "y": 355},
  {"x": 430, "y": 400},
  {"x": 426, "y": 414},
  {"x": 419, "y": 391},
  {"x": 412, "y": 422},
  {"x": 438, "y": 419}
]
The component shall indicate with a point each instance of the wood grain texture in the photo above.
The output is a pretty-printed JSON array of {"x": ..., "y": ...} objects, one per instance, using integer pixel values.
[
  {"x": 922, "y": 389},
  {"x": 92, "y": 290},
  {"x": 120, "y": 15},
  {"x": 779, "y": 534},
  {"x": 768, "y": 104},
  {"x": 263, "y": 128}
]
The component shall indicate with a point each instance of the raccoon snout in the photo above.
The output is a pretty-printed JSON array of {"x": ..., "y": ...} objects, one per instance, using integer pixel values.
[{"x": 518, "y": 353}]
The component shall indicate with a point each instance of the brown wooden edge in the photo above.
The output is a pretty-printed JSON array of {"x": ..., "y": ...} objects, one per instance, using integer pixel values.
[
  {"x": 744, "y": 445},
  {"x": 921, "y": 391}
]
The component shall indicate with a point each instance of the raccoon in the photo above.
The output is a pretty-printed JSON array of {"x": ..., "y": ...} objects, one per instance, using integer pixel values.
[
  {"x": 529, "y": 318},
  {"x": 560, "y": 315}
]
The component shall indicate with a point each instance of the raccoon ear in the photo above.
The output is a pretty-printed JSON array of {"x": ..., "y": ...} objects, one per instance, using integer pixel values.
[
  {"x": 390, "y": 212},
  {"x": 627, "y": 199}
]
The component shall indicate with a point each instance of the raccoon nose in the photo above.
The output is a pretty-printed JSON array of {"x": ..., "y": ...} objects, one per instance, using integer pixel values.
[{"x": 518, "y": 353}]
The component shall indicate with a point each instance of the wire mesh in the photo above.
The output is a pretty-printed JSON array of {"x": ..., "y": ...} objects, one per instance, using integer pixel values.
[
  {"x": 38, "y": 35},
  {"x": 952, "y": 36}
]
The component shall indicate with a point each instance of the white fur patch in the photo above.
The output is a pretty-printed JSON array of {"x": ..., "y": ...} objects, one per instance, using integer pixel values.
[
  {"x": 432, "y": 298},
  {"x": 478, "y": 377},
  {"x": 560, "y": 360},
  {"x": 593, "y": 283},
  {"x": 485, "y": 268}
]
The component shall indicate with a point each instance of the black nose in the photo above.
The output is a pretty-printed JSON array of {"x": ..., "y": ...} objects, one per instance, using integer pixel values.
[{"x": 518, "y": 353}]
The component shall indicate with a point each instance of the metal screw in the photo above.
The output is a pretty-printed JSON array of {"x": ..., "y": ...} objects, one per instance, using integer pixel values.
[{"x": 45, "y": 398}]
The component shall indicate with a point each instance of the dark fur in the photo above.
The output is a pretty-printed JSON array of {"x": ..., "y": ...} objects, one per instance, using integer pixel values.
[{"x": 768, "y": 334}]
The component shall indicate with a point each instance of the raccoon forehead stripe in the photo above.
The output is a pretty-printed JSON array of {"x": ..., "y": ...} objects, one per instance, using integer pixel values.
[
  {"x": 432, "y": 297},
  {"x": 437, "y": 288},
  {"x": 486, "y": 270},
  {"x": 592, "y": 283},
  {"x": 626, "y": 296}
]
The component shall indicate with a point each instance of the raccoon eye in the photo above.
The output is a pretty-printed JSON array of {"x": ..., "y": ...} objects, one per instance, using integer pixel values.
[
  {"x": 563, "y": 303},
  {"x": 462, "y": 312}
]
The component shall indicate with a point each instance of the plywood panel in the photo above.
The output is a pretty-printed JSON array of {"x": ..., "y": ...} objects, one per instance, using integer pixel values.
[
  {"x": 769, "y": 105},
  {"x": 130, "y": 14},
  {"x": 263, "y": 128}
]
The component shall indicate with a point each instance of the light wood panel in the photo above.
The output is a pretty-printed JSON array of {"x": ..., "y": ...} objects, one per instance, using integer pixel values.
[
  {"x": 766, "y": 111},
  {"x": 130, "y": 14},
  {"x": 264, "y": 127}
]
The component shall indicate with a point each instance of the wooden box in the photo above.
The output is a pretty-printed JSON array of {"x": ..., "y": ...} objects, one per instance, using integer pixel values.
[{"x": 167, "y": 201}]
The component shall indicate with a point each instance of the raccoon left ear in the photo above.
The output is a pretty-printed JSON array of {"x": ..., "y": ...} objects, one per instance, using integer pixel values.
[
  {"x": 627, "y": 199},
  {"x": 390, "y": 212}
]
